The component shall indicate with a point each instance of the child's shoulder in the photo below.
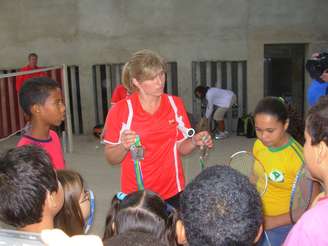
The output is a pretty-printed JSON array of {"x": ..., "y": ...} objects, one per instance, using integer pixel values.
[
  {"x": 53, "y": 135},
  {"x": 258, "y": 145},
  {"x": 23, "y": 141}
]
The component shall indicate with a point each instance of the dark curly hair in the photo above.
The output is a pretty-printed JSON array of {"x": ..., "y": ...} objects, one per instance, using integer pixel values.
[
  {"x": 317, "y": 121},
  {"x": 221, "y": 207}
]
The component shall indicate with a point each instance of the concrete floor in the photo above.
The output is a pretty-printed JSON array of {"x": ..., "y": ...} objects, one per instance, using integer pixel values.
[{"x": 88, "y": 159}]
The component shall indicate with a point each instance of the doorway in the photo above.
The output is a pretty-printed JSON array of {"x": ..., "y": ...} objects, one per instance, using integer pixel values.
[{"x": 284, "y": 73}]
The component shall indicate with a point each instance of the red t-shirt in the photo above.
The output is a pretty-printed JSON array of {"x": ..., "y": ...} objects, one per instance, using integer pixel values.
[
  {"x": 21, "y": 79},
  {"x": 162, "y": 169},
  {"x": 51, "y": 145},
  {"x": 119, "y": 94}
]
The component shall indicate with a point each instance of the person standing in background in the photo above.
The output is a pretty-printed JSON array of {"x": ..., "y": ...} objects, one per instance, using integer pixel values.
[
  {"x": 317, "y": 67},
  {"x": 119, "y": 93},
  {"x": 32, "y": 65}
]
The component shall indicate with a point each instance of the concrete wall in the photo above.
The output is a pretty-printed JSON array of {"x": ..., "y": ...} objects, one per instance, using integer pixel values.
[{"x": 84, "y": 32}]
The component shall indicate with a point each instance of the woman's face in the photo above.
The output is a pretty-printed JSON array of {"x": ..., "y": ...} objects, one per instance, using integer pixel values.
[
  {"x": 152, "y": 87},
  {"x": 270, "y": 131},
  {"x": 84, "y": 202}
]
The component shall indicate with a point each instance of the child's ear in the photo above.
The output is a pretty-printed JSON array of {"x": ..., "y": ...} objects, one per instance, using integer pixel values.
[
  {"x": 321, "y": 152},
  {"x": 51, "y": 201},
  {"x": 286, "y": 124},
  {"x": 180, "y": 232},
  {"x": 259, "y": 234},
  {"x": 35, "y": 109}
]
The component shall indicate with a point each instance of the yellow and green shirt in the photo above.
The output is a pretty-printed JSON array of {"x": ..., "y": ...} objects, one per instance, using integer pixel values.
[{"x": 281, "y": 165}]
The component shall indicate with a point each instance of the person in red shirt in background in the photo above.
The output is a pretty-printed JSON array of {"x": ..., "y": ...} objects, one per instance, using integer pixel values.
[
  {"x": 119, "y": 93},
  {"x": 32, "y": 65}
]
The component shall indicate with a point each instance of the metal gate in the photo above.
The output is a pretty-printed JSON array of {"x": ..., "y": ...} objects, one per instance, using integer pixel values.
[{"x": 226, "y": 75}]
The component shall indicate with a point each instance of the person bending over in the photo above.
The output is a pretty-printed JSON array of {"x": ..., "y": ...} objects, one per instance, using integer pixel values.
[{"x": 217, "y": 98}]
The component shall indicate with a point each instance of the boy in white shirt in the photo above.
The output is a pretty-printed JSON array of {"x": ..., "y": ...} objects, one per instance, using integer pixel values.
[{"x": 219, "y": 101}]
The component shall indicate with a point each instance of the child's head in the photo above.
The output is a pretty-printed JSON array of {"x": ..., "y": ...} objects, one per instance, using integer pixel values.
[
  {"x": 272, "y": 120},
  {"x": 141, "y": 211},
  {"x": 133, "y": 238},
  {"x": 221, "y": 207},
  {"x": 316, "y": 139},
  {"x": 200, "y": 91},
  {"x": 29, "y": 189},
  {"x": 41, "y": 98},
  {"x": 76, "y": 209}
]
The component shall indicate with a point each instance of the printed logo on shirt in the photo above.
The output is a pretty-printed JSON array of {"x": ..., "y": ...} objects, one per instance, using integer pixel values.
[{"x": 277, "y": 176}]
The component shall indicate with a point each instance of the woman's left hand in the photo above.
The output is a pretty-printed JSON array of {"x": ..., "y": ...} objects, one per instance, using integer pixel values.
[{"x": 202, "y": 139}]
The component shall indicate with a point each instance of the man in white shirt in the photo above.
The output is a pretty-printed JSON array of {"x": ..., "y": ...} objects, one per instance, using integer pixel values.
[{"x": 217, "y": 98}]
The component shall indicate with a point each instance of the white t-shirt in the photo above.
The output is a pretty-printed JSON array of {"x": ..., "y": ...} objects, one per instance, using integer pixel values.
[{"x": 219, "y": 97}]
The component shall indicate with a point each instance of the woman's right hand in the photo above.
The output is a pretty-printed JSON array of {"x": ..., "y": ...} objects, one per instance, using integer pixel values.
[{"x": 128, "y": 138}]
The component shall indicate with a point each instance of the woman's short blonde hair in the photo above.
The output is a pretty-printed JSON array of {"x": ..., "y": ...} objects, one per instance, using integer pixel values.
[{"x": 143, "y": 65}]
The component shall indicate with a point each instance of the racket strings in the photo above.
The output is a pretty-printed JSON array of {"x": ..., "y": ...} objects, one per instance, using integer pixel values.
[
  {"x": 245, "y": 163},
  {"x": 301, "y": 195}
]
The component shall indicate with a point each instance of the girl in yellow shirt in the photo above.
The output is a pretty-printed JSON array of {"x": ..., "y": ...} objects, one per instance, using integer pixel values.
[{"x": 282, "y": 156}]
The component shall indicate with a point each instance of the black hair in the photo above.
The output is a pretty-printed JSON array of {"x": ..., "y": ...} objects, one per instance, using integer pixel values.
[
  {"x": 221, "y": 207},
  {"x": 316, "y": 66},
  {"x": 141, "y": 211},
  {"x": 26, "y": 175},
  {"x": 32, "y": 54},
  {"x": 201, "y": 90},
  {"x": 317, "y": 121},
  {"x": 35, "y": 91},
  {"x": 277, "y": 107},
  {"x": 133, "y": 238}
]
